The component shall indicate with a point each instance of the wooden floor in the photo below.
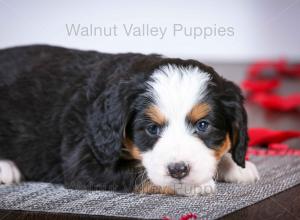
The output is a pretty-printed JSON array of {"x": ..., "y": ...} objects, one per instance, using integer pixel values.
[{"x": 285, "y": 205}]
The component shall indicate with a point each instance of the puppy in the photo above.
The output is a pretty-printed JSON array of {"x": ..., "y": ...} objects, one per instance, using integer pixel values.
[{"x": 122, "y": 122}]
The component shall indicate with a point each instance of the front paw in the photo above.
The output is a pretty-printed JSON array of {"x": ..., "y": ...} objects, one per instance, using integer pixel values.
[
  {"x": 237, "y": 174},
  {"x": 9, "y": 173},
  {"x": 195, "y": 190}
]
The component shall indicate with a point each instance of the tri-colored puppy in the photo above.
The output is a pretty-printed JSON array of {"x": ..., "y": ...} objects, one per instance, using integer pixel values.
[{"x": 124, "y": 122}]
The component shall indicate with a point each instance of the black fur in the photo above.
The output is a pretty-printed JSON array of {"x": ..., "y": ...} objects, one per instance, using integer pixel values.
[{"x": 63, "y": 113}]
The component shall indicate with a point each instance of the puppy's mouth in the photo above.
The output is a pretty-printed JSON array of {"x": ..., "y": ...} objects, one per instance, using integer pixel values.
[
  {"x": 191, "y": 182},
  {"x": 190, "y": 179}
]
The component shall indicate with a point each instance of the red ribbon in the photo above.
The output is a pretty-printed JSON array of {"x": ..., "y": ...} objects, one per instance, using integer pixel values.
[
  {"x": 277, "y": 102},
  {"x": 271, "y": 141},
  {"x": 188, "y": 216},
  {"x": 280, "y": 67},
  {"x": 261, "y": 87},
  {"x": 264, "y": 136}
]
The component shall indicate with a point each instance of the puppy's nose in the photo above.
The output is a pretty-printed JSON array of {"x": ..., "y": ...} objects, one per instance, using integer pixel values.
[{"x": 178, "y": 170}]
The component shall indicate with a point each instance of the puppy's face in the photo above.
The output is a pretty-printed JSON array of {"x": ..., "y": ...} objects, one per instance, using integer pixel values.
[{"x": 179, "y": 131}]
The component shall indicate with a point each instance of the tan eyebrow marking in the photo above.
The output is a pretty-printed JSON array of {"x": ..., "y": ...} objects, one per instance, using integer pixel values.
[
  {"x": 224, "y": 148},
  {"x": 198, "y": 111},
  {"x": 155, "y": 115}
]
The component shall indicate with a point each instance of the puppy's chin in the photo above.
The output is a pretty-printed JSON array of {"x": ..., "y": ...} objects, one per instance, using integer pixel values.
[
  {"x": 175, "y": 187},
  {"x": 167, "y": 181}
]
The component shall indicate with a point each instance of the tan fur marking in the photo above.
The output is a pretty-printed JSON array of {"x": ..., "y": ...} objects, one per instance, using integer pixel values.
[
  {"x": 155, "y": 115},
  {"x": 235, "y": 137},
  {"x": 198, "y": 111},
  {"x": 132, "y": 149},
  {"x": 224, "y": 148},
  {"x": 149, "y": 188}
]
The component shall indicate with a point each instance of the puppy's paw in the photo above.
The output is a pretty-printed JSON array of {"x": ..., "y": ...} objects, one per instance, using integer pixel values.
[
  {"x": 195, "y": 190},
  {"x": 9, "y": 172},
  {"x": 237, "y": 174}
]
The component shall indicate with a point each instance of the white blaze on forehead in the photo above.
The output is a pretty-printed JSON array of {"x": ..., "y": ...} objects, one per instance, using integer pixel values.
[{"x": 177, "y": 89}]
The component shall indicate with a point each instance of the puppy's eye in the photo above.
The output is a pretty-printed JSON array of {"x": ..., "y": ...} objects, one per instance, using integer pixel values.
[
  {"x": 201, "y": 126},
  {"x": 153, "y": 130}
]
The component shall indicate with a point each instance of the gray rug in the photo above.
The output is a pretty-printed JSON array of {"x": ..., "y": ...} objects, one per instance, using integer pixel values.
[{"x": 277, "y": 174}]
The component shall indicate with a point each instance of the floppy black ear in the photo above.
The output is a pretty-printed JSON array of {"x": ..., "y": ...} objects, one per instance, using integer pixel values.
[
  {"x": 236, "y": 116},
  {"x": 105, "y": 121},
  {"x": 107, "y": 116}
]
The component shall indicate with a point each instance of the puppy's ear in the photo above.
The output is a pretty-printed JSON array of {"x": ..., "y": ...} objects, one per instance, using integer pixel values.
[
  {"x": 236, "y": 117},
  {"x": 107, "y": 117}
]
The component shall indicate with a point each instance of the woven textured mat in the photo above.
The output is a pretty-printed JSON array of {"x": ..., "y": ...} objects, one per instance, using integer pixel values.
[{"x": 277, "y": 174}]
